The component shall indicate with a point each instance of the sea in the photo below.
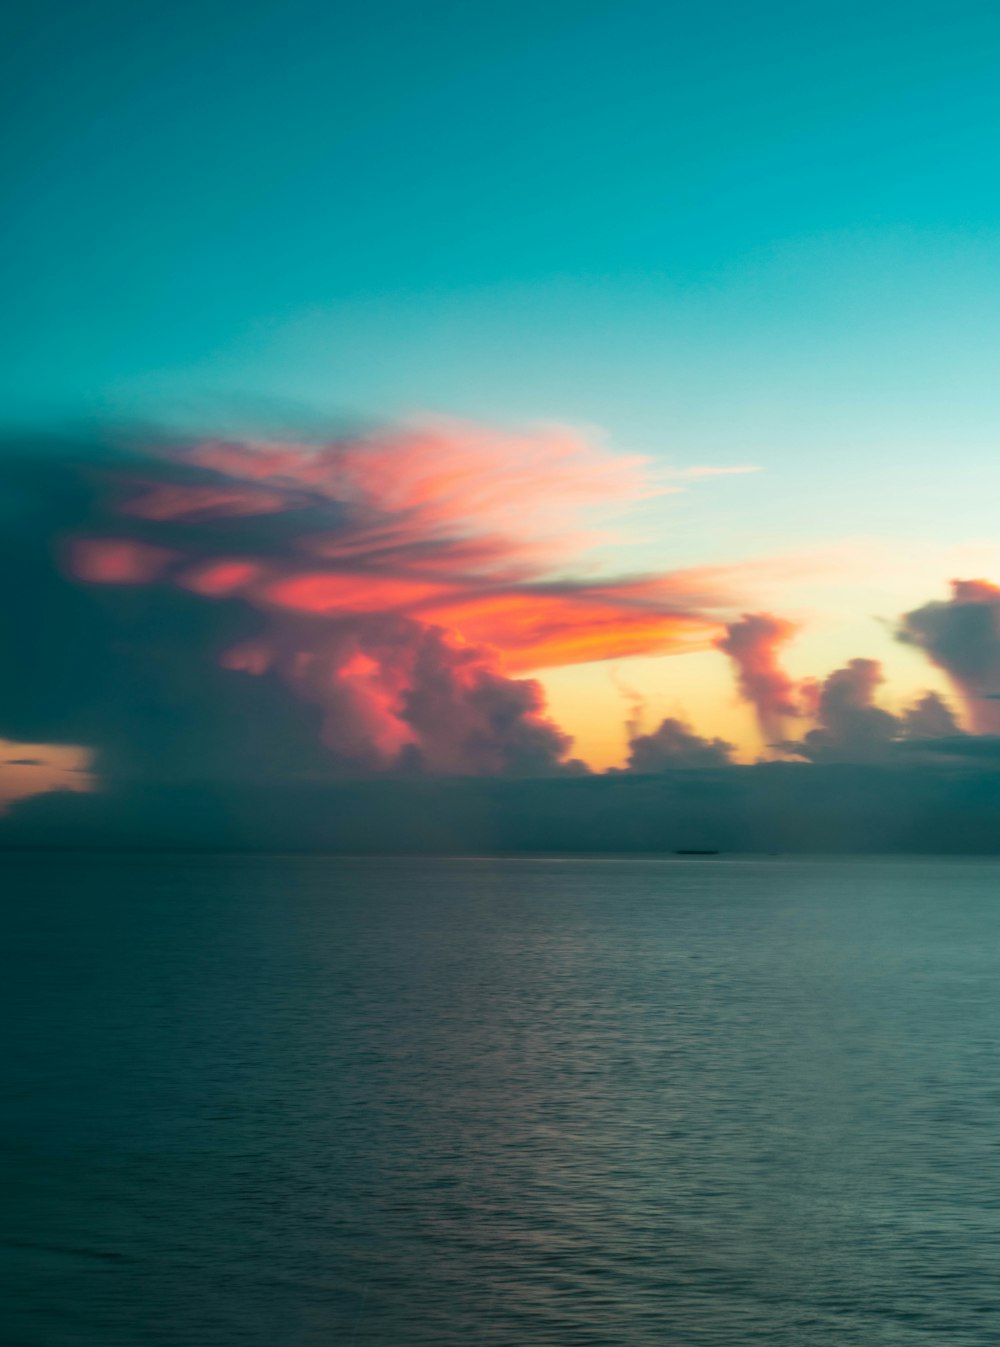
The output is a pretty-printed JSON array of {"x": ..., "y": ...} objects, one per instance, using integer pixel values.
[{"x": 304, "y": 1101}]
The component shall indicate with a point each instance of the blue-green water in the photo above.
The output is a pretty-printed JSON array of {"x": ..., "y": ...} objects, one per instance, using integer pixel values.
[{"x": 292, "y": 1102}]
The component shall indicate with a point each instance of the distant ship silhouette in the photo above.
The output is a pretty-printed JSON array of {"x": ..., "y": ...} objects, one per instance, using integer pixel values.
[{"x": 695, "y": 851}]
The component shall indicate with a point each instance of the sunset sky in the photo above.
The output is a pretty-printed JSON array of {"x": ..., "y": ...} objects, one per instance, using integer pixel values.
[{"x": 708, "y": 298}]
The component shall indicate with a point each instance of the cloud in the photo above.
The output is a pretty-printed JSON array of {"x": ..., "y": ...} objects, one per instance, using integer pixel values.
[
  {"x": 985, "y": 747},
  {"x": 635, "y": 701},
  {"x": 32, "y": 768},
  {"x": 118, "y": 561},
  {"x": 853, "y": 728},
  {"x": 269, "y": 610},
  {"x": 930, "y": 717},
  {"x": 285, "y": 621},
  {"x": 961, "y": 635},
  {"x": 395, "y": 695},
  {"x": 753, "y": 644},
  {"x": 449, "y": 525},
  {"x": 674, "y": 746},
  {"x": 768, "y": 807}
]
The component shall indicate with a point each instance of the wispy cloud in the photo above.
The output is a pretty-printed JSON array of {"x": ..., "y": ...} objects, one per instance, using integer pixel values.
[
  {"x": 449, "y": 524},
  {"x": 390, "y": 584}
]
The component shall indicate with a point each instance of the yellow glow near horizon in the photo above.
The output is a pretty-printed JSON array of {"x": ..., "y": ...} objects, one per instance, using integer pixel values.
[
  {"x": 33, "y": 769},
  {"x": 587, "y": 700}
]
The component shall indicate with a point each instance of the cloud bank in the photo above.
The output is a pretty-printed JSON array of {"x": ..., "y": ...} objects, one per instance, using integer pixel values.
[
  {"x": 257, "y": 642},
  {"x": 769, "y": 807},
  {"x": 207, "y": 609}
]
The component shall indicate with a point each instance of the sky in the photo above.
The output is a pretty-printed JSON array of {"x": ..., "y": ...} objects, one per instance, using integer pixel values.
[{"x": 677, "y": 238}]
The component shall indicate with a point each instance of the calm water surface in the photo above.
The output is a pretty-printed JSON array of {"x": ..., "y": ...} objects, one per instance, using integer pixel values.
[{"x": 292, "y": 1102}]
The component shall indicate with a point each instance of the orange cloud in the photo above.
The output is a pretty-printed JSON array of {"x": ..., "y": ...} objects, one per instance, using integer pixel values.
[
  {"x": 403, "y": 577},
  {"x": 330, "y": 593},
  {"x": 539, "y": 630},
  {"x": 451, "y": 525}
]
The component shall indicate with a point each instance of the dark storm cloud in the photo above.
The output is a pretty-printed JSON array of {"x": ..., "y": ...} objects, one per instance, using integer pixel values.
[
  {"x": 129, "y": 626},
  {"x": 961, "y": 635},
  {"x": 131, "y": 673},
  {"x": 197, "y": 608}
]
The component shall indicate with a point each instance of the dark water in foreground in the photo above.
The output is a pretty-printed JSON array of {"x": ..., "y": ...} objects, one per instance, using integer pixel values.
[{"x": 286, "y": 1102}]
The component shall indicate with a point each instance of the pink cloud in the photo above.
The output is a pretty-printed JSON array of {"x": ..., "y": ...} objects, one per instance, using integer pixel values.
[
  {"x": 754, "y": 644},
  {"x": 118, "y": 561},
  {"x": 402, "y": 578}
]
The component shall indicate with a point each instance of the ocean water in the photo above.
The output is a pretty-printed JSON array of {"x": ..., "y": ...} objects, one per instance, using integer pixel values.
[{"x": 306, "y": 1102}]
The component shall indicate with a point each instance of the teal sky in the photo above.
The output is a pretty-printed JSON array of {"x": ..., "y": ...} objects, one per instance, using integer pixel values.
[{"x": 721, "y": 234}]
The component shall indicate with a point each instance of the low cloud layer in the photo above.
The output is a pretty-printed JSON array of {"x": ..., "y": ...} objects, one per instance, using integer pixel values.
[{"x": 771, "y": 808}]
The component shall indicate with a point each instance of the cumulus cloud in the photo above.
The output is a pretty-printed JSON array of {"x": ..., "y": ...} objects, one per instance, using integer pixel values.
[
  {"x": 675, "y": 746},
  {"x": 396, "y": 695},
  {"x": 930, "y": 717},
  {"x": 224, "y": 610},
  {"x": 753, "y": 644},
  {"x": 852, "y": 727},
  {"x": 225, "y": 632},
  {"x": 961, "y": 635}
]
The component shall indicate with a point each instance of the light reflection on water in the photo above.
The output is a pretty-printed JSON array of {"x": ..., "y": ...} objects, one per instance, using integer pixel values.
[{"x": 298, "y": 1101}]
